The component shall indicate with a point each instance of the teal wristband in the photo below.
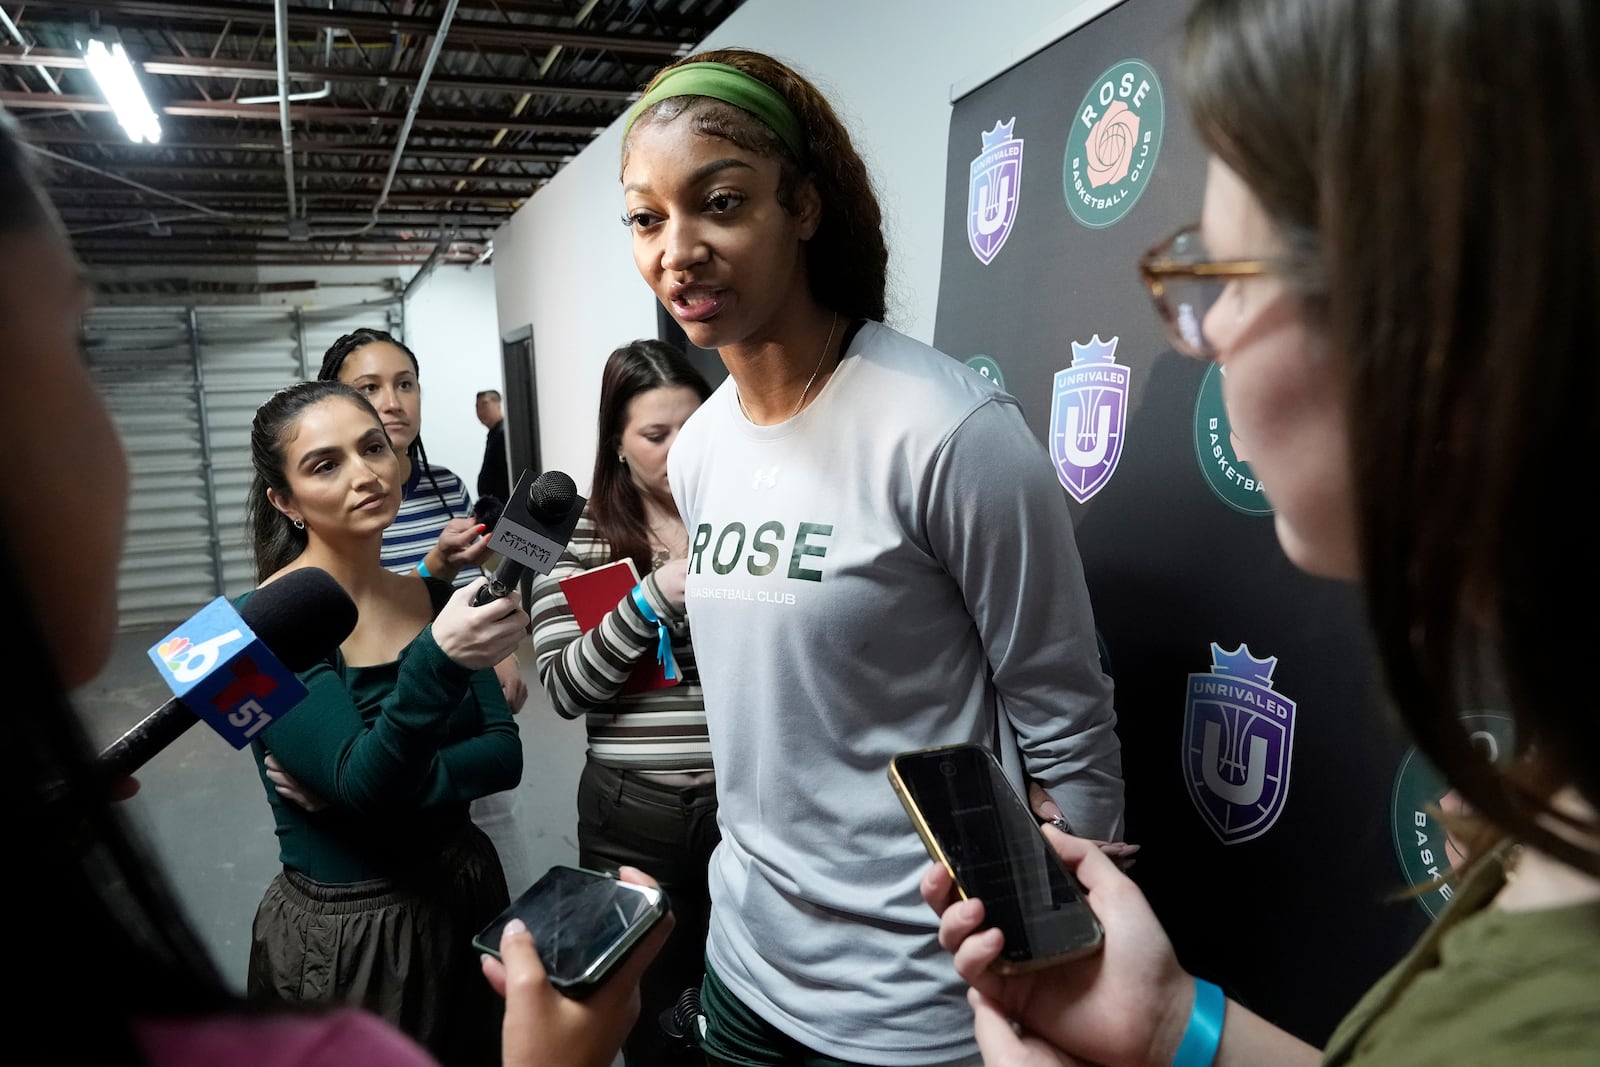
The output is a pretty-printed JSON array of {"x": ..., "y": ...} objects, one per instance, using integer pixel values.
[
  {"x": 663, "y": 637},
  {"x": 1204, "y": 1032},
  {"x": 422, "y": 567}
]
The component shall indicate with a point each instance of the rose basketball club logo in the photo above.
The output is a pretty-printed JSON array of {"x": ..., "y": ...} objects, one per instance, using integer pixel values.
[
  {"x": 1425, "y": 846},
  {"x": 1113, "y": 143},
  {"x": 986, "y": 366},
  {"x": 994, "y": 189},
  {"x": 1088, "y": 409},
  {"x": 1224, "y": 456},
  {"x": 1238, "y": 741}
]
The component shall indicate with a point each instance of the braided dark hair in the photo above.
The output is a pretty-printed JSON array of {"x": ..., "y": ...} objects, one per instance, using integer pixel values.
[{"x": 333, "y": 361}]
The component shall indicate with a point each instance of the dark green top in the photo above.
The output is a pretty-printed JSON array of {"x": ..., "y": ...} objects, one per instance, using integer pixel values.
[
  {"x": 1485, "y": 986},
  {"x": 398, "y": 750}
]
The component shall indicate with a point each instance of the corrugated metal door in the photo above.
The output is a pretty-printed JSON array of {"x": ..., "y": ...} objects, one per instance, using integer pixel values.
[{"x": 182, "y": 385}]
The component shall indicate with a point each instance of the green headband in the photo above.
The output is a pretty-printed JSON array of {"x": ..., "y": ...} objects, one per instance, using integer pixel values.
[{"x": 732, "y": 86}]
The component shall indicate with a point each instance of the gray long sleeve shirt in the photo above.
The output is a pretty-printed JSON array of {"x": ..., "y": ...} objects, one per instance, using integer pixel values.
[{"x": 893, "y": 568}]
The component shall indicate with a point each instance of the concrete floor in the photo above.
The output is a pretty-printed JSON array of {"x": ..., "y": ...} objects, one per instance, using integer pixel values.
[{"x": 202, "y": 806}]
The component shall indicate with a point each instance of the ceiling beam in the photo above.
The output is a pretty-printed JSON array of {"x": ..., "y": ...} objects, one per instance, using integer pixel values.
[
  {"x": 377, "y": 25},
  {"x": 62, "y": 135},
  {"x": 467, "y": 220},
  {"x": 200, "y": 67},
  {"x": 254, "y": 202},
  {"x": 222, "y": 109},
  {"x": 246, "y": 170}
]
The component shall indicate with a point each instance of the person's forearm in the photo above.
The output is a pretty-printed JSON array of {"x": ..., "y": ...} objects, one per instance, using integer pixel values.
[
  {"x": 1248, "y": 1040},
  {"x": 438, "y": 567}
]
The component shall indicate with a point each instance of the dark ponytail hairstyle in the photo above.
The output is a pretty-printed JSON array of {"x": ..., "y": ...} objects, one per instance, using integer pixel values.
[
  {"x": 614, "y": 501},
  {"x": 333, "y": 361},
  {"x": 274, "y": 540}
]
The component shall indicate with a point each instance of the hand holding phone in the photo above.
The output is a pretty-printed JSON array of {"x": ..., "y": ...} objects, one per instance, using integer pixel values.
[
  {"x": 583, "y": 922},
  {"x": 974, "y": 824}
]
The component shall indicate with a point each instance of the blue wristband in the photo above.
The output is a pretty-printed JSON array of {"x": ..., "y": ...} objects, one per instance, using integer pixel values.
[
  {"x": 422, "y": 567},
  {"x": 1204, "y": 1032},
  {"x": 663, "y": 637}
]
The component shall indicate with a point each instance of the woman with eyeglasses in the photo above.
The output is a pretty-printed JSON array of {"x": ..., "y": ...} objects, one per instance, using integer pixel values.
[
  {"x": 880, "y": 558},
  {"x": 1397, "y": 265}
]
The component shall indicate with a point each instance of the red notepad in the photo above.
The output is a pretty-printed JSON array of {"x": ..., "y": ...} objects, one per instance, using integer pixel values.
[{"x": 593, "y": 594}]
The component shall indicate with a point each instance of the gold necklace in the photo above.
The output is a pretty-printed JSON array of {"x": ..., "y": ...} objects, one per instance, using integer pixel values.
[
  {"x": 826, "y": 345},
  {"x": 818, "y": 368}
]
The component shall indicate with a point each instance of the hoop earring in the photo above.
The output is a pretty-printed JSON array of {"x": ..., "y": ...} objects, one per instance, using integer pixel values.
[
  {"x": 622, "y": 459},
  {"x": 299, "y": 524}
]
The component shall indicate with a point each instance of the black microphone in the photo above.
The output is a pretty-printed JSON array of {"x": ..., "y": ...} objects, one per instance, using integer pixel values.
[
  {"x": 487, "y": 510},
  {"x": 534, "y": 528},
  {"x": 238, "y": 686}
]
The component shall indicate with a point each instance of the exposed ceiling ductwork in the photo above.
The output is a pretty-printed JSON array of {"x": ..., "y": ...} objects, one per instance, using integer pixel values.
[{"x": 382, "y": 133}]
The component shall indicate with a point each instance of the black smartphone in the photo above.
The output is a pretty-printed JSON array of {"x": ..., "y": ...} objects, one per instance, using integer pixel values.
[
  {"x": 583, "y": 924},
  {"x": 973, "y": 822}
]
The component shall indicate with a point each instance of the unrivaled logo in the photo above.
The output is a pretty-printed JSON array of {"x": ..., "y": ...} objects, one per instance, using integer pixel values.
[
  {"x": 994, "y": 191},
  {"x": 1238, "y": 743},
  {"x": 1088, "y": 413}
]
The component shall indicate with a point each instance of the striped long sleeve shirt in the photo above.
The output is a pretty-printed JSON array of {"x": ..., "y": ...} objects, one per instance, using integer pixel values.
[
  {"x": 422, "y": 519},
  {"x": 584, "y": 673}
]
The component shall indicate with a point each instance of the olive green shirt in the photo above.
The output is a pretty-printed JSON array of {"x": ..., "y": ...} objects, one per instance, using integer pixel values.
[{"x": 1485, "y": 986}]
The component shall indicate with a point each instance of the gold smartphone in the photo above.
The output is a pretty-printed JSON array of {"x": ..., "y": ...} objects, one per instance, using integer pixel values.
[{"x": 973, "y": 822}]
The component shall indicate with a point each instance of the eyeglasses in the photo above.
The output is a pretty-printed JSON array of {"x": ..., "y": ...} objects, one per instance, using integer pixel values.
[{"x": 1185, "y": 283}]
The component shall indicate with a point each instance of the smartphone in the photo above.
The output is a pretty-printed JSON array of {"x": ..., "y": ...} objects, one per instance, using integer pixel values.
[
  {"x": 583, "y": 924},
  {"x": 973, "y": 823}
]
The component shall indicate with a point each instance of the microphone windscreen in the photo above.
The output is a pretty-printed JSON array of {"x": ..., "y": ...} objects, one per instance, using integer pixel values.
[
  {"x": 551, "y": 496},
  {"x": 301, "y": 616},
  {"x": 487, "y": 510}
]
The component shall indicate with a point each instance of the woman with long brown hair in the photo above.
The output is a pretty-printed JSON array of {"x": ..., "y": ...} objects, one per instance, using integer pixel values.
[{"x": 647, "y": 795}]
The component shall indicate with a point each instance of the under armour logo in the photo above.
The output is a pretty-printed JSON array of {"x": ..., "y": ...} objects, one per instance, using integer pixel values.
[{"x": 765, "y": 478}]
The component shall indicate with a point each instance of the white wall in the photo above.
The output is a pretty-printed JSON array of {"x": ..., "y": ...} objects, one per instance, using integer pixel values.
[
  {"x": 563, "y": 262},
  {"x": 451, "y": 326}
]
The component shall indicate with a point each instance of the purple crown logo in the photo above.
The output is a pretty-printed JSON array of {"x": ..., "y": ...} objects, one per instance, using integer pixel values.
[
  {"x": 1000, "y": 134},
  {"x": 1096, "y": 351},
  {"x": 1238, "y": 744},
  {"x": 1241, "y": 664},
  {"x": 994, "y": 190}
]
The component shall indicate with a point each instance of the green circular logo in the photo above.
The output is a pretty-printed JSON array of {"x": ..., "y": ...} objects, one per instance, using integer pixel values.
[
  {"x": 1113, "y": 143},
  {"x": 988, "y": 368},
  {"x": 1426, "y": 851},
  {"x": 1221, "y": 455}
]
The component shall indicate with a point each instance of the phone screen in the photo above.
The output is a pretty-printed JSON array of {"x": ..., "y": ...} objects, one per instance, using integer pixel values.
[
  {"x": 582, "y": 922},
  {"x": 972, "y": 820}
]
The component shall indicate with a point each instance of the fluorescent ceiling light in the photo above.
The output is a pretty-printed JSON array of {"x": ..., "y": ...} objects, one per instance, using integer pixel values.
[{"x": 120, "y": 86}]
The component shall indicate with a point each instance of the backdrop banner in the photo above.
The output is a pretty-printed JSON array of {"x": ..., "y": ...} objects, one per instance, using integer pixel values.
[{"x": 1283, "y": 816}]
